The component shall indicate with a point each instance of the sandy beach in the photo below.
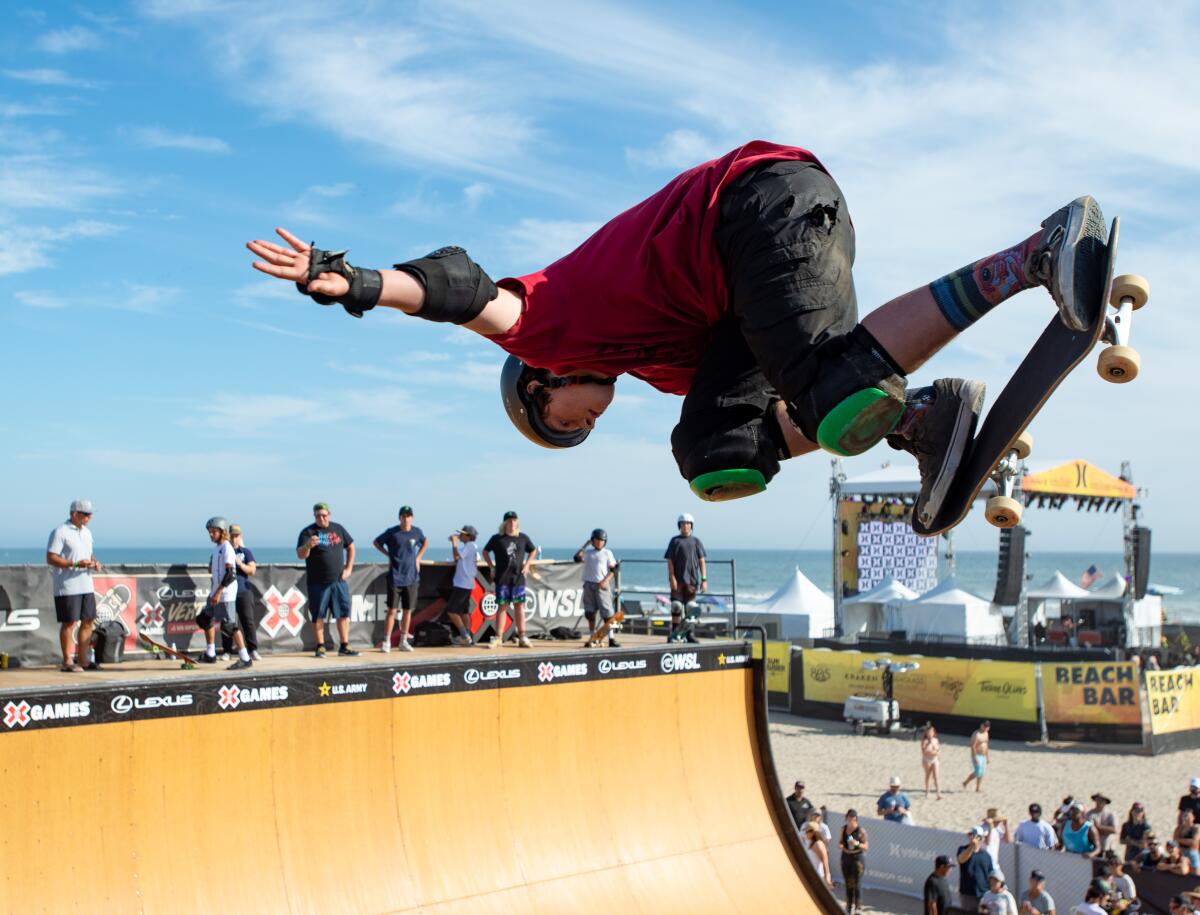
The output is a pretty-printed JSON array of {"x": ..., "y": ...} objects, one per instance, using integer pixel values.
[{"x": 841, "y": 770}]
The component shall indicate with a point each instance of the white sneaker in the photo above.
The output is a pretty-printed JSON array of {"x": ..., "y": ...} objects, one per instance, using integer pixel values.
[
  {"x": 406, "y": 646},
  {"x": 386, "y": 647},
  {"x": 493, "y": 642},
  {"x": 254, "y": 656},
  {"x": 463, "y": 641},
  {"x": 523, "y": 642},
  {"x": 223, "y": 656}
]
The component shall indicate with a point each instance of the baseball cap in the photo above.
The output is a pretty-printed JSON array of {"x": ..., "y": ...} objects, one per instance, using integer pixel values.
[
  {"x": 1035, "y": 808},
  {"x": 85, "y": 506},
  {"x": 1194, "y": 783},
  {"x": 799, "y": 783},
  {"x": 996, "y": 875},
  {"x": 234, "y": 529},
  {"x": 941, "y": 861},
  {"x": 406, "y": 510},
  {"x": 321, "y": 507},
  {"x": 895, "y": 782},
  {"x": 468, "y": 529},
  {"x": 1037, "y": 875},
  {"x": 1138, "y": 805},
  {"x": 510, "y": 515},
  {"x": 976, "y": 831}
]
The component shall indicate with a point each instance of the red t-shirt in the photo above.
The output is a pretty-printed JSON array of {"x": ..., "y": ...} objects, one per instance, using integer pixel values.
[{"x": 642, "y": 294}]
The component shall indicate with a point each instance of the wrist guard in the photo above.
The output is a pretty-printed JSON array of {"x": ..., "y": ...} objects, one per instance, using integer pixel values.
[
  {"x": 365, "y": 284},
  {"x": 456, "y": 288}
]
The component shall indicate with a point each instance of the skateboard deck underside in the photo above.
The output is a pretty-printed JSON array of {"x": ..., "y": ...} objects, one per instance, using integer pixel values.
[{"x": 1053, "y": 357}]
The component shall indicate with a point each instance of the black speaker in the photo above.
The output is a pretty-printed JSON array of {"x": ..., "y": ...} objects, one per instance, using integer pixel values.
[
  {"x": 1010, "y": 566},
  {"x": 1141, "y": 561}
]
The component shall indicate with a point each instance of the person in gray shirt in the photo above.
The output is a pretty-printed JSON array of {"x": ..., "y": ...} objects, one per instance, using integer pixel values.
[
  {"x": 1035, "y": 900},
  {"x": 69, "y": 555},
  {"x": 687, "y": 572}
]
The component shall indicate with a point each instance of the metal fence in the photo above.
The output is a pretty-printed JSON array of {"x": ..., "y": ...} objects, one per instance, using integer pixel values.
[{"x": 630, "y": 593}]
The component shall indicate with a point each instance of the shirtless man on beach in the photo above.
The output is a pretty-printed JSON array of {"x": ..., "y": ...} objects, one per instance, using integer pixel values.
[
  {"x": 732, "y": 287},
  {"x": 980, "y": 755}
]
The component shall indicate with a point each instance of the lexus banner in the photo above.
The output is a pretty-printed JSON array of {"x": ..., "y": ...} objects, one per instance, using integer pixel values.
[{"x": 162, "y": 601}]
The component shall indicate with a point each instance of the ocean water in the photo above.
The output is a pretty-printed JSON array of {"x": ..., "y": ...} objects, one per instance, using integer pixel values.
[{"x": 759, "y": 572}]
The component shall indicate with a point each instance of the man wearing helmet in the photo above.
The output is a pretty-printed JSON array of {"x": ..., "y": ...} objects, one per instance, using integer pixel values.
[
  {"x": 220, "y": 609},
  {"x": 687, "y": 571},
  {"x": 599, "y": 567},
  {"x": 732, "y": 287}
]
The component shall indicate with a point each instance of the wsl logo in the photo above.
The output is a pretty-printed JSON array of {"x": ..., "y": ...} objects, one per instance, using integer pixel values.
[{"x": 676, "y": 661}]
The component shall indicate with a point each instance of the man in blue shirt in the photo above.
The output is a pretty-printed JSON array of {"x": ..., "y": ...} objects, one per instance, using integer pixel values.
[
  {"x": 404, "y": 545},
  {"x": 894, "y": 804}
]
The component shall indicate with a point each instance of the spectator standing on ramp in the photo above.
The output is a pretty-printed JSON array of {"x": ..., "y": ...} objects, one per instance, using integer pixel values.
[
  {"x": 599, "y": 567},
  {"x": 853, "y": 844},
  {"x": 404, "y": 545},
  {"x": 466, "y": 563},
  {"x": 980, "y": 755},
  {"x": 328, "y": 553},
  {"x": 221, "y": 608},
  {"x": 937, "y": 890},
  {"x": 246, "y": 568},
  {"x": 687, "y": 572},
  {"x": 1035, "y": 900},
  {"x": 509, "y": 554},
  {"x": 974, "y": 866},
  {"x": 69, "y": 555}
]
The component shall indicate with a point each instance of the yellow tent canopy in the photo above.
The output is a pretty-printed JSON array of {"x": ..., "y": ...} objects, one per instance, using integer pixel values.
[{"x": 1078, "y": 478}]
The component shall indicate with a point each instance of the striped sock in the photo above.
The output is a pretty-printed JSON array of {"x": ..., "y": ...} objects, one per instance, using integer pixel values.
[{"x": 966, "y": 295}]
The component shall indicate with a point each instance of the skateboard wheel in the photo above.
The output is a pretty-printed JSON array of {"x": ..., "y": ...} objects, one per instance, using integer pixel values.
[
  {"x": 1119, "y": 364},
  {"x": 1023, "y": 445},
  {"x": 1003, "y": 511},
  {"x": 1131, "y": 285}
]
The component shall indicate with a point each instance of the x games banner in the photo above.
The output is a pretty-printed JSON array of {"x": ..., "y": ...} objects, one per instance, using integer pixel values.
[{"x": 162, "y": 601}]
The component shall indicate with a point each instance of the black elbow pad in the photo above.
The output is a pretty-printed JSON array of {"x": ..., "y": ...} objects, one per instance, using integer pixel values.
[{"x": 456, "y": 288}]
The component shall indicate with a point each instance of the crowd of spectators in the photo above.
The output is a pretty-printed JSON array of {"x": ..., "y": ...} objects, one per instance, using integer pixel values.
[{"x": 1122, "y": 850}]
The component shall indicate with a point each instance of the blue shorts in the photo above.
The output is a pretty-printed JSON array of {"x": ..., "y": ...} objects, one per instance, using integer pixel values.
[
  {"x": 331, "y": 600},
  {"x": 510, "y": 594},
  {"x": 980, "y": 765}
]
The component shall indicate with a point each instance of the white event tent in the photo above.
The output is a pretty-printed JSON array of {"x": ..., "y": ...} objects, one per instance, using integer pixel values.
[
  {"x": 798, "y": 610},
  {"x": 955, "y": 614},
  {"x": 878, "y": 610}
]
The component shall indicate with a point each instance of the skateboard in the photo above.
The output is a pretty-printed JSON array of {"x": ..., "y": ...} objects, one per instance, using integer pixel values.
[
  {"x": 1002, "y": 443},
  {"x": 188, "y": 662},
  {"x": 609, "y": 625}
]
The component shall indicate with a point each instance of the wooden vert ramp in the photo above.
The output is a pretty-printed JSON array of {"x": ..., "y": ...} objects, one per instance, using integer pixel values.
[{"x": 651, "y": 794}]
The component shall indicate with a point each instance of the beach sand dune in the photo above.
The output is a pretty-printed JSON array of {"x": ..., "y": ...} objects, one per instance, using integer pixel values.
[{"x": 841, "y": 770}]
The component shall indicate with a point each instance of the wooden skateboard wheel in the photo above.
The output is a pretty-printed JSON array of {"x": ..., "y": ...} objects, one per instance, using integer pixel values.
[
  {"x": 1003, "y": 511},
  {"x": 1119, "y": 364},
  {"x": 1023, "y": 446},
  {"x": 1131, "y": 285}
]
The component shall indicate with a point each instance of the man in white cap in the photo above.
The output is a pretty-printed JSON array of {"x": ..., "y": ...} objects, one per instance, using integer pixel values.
[
  {"x": 893, "y": 804},
  {"x": 69, "y": 555},
  {"x": 1191, "y": 800},
  {"x": 687, "y": 572}
]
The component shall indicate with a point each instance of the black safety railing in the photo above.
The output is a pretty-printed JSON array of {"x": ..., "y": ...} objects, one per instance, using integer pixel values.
[{"x": 638, "y": 596}]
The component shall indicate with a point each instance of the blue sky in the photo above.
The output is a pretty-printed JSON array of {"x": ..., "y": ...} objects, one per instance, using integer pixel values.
[{"x": 141, "y": 144}]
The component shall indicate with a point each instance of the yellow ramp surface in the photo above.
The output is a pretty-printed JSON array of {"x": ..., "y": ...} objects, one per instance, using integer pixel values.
[{"x": 636, "y": 795}]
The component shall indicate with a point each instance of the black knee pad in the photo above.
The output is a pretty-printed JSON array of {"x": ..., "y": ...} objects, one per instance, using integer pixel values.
[
  {"x": 204, "y": 619},
  {"x": 858, "y": 387},
  {"x": 730, "y": 452}
]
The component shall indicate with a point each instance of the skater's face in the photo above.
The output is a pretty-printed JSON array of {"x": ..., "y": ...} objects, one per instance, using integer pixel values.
[{"x": 577, "y": 406}]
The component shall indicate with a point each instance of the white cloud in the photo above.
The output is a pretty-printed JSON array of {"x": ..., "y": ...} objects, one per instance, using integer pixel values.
[
  {"x": 340, "y": 189},
  {"x": 161, "y": 138},
  {"x": 39, "y": 299},
  {"x": 207, "y": 465},
  {"x": 534, "y": 243},
  {"x": 48, "y": 76},
  {"x": 64, "y": 41},
  {"x": 678, "y": 150},
  {"x": 42, "y": 182},
  {"x": 476, "y": 193},
  {"x": 144, "y": 299},
  {"x": 24, "y": 248}
]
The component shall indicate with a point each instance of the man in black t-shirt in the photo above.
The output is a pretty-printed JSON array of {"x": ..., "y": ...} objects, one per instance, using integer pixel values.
[
  {"x": 328, "y": 553},
  {"x": 1191, "y": 800},
  {"x": 937, "y": 890},
  {"x": 509, "y": 555},
  {"x": 687, "y": 571},
  {"x": 799, "y": 805}
]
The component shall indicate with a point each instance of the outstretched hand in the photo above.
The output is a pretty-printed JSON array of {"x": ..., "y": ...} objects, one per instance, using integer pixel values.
[{"x": 292, "y": 264}]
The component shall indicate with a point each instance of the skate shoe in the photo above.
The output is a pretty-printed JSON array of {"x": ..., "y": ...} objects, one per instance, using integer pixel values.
[
  {"x": 239, "y": 664},
  {"x": 405, "y": 645},
  {"x": 207, "y": 659},
  {"x": 936, "y": 428},
  {"x": 1069, "y": 261},
  {"x": 523, "y": 642},
  {"x": 345, "y": 651}
]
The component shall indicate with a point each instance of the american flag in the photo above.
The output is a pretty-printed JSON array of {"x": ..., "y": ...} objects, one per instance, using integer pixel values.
[{"x": 1090, "y": 577}]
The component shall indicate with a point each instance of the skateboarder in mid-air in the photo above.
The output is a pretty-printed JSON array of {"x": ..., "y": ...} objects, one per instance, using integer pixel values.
[{"x": 732, "y": 287}]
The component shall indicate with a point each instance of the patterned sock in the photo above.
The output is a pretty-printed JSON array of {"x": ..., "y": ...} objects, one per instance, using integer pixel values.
[{"x": 966, "y": 295}]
